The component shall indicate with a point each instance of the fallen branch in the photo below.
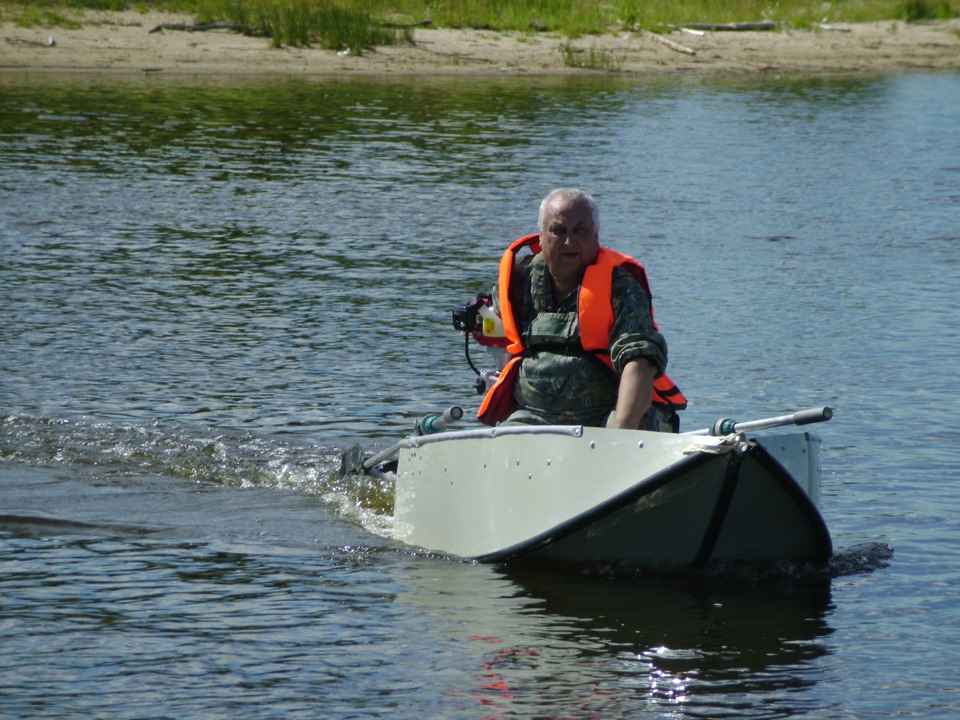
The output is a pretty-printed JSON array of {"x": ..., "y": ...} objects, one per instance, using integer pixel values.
[
  {"x": 50, "y": 42},
  {"x": 197, "y": 28},
  {"x": 733, "y": 26},
  {"x": 669, "y": 43},
  {"x": 403, "y": 26}
]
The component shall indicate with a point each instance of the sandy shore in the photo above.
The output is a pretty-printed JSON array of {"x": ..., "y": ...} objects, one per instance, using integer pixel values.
[{"x": 122, "y": 42}]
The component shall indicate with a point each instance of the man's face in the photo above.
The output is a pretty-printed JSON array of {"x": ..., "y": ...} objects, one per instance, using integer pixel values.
[{"x": 569, "y": 241}]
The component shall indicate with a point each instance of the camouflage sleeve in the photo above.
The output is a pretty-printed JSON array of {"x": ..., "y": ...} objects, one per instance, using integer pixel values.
[{"x": 633, "y": 334}]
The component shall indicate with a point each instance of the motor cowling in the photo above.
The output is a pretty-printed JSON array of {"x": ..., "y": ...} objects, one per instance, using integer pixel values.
[{"x": 479, "y": 319}]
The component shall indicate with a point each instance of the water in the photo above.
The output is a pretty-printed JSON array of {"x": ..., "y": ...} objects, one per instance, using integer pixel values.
[{"x": 210, "y": 288}]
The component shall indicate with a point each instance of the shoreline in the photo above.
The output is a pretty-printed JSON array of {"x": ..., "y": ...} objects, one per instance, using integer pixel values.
[{"x": 122, "y": 42}]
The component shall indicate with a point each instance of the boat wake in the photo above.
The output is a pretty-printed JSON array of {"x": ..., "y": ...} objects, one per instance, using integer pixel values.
[
  {"x": 119, "y": 454},
  {"x": 44, "y": 526},
  {"x": 861, "y": 559}
]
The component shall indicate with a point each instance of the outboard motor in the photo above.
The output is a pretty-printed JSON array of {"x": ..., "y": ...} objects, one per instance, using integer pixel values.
[{"x": 478, "y": 319}]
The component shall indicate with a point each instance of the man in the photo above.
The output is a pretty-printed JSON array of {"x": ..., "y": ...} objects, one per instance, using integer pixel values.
[{"x": 580, "y": 323}]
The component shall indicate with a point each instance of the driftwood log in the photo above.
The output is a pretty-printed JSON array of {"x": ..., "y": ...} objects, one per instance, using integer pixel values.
[
  {"x": 239, "y": 28},
  {"x": 197, "y": 28},
  {"x": 669, "y": 43},
  {"x": 732, "y": 26},
  {"x": 419, "y": 23},
  {"x": 50, "y": 42}
]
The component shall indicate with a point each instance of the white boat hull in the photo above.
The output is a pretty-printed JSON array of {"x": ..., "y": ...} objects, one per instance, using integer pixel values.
[{"x": 569, "y": 493}]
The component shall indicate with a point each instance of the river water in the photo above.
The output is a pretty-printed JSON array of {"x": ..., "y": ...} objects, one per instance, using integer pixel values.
[{"x": 209, "y": 288}]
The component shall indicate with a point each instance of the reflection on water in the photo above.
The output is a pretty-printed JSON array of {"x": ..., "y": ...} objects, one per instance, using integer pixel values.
[
  {"x": 675, "y": 625},
  {"x": 548, "y": 641}
]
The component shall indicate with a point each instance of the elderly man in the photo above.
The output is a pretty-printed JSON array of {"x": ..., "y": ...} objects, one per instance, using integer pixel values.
[{"x": 584, "y": 347}]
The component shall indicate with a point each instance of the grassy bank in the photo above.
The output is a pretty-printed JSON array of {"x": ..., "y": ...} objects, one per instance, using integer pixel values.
[{"x": 360, "y": 24}]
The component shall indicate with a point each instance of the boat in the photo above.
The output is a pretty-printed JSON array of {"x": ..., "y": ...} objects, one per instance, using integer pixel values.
[{"x": 576, "y": 494}]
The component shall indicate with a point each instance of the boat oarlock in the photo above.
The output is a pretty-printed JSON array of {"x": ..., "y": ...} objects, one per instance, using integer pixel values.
[
  {"x": 726, "y": 426},
  {"x": 353, "y": 462}
]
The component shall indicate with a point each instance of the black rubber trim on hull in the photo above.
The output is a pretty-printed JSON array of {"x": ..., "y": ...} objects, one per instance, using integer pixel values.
[{"x": 720, "y": 510}]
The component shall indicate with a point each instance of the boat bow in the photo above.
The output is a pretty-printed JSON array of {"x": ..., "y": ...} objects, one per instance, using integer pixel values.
[{"x": 570, "y": 493}]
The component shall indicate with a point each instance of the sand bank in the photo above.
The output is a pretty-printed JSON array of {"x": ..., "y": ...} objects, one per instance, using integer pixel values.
[{"x": 123, "y": 42}]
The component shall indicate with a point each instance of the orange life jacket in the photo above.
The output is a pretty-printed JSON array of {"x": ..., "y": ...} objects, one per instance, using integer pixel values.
[{"x": 595, "y": 315}]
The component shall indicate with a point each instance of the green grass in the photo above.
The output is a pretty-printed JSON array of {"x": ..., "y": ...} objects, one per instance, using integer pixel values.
[
  {"x": 45, "y": 17},
  {"x": 592, "y": 59},
  {"x": 306, "y": 22},
  {"x": 361, "y": 24}
]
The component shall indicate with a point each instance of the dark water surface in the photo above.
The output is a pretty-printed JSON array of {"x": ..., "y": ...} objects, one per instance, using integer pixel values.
[{"x": 210, "y": 288}]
